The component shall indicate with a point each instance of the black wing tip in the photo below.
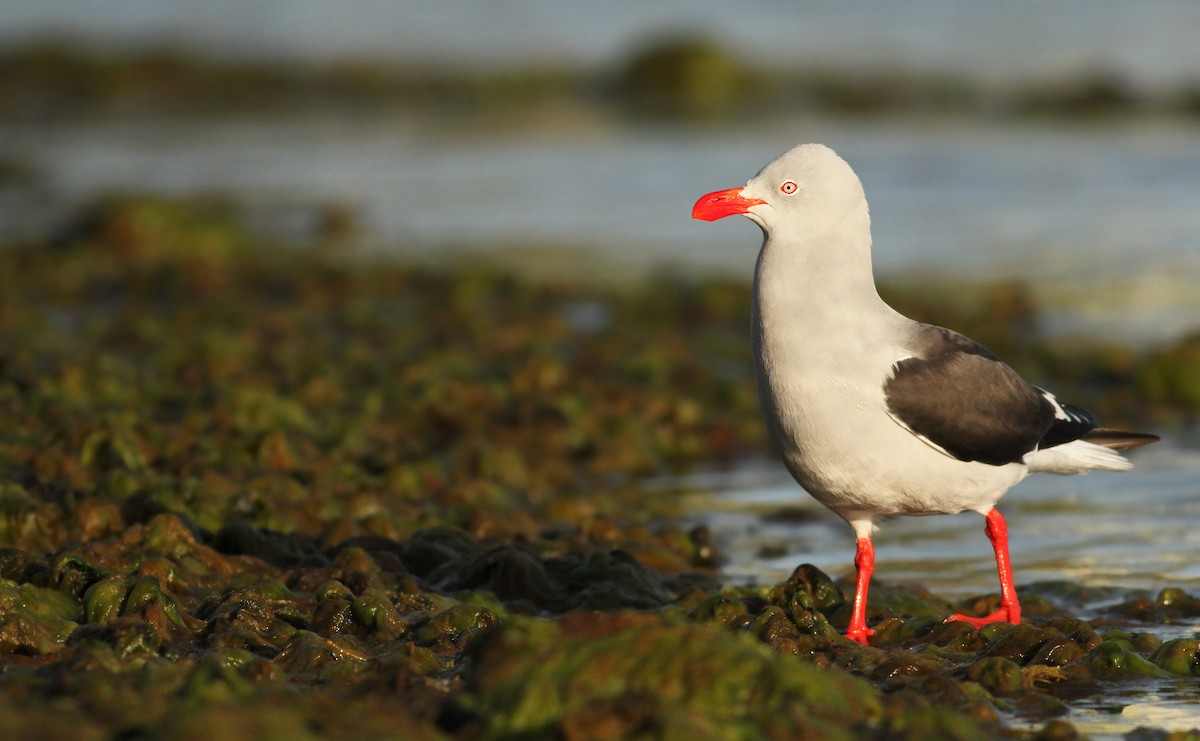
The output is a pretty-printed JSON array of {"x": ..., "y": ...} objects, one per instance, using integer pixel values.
[{"x": 1119, "y": 439}]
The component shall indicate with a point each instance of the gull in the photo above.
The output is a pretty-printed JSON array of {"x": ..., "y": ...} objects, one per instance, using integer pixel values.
[{"x": 875, "y": 414}]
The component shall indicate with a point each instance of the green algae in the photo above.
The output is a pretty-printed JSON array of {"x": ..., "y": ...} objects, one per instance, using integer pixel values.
[
  {"x": 737, "y": 664},
  {"x": 536, "y": 677}
]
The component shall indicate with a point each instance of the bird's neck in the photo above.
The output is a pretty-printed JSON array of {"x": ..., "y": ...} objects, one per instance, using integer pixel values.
[{"x": 820, "y": 278}]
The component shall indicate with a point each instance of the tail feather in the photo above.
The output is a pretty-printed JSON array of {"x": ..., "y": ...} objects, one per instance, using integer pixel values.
[
  {"x": 1077, "y": 456},
  {"x": 1118, "y": 439}
]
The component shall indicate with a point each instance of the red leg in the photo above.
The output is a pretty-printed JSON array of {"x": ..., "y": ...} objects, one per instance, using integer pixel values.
[
  {"x": 1010, "y": 608},
  {"x": 864, "y": 562}
]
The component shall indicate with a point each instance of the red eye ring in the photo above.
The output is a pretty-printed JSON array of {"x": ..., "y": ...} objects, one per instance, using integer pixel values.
[{"x": 789, "y": 187}]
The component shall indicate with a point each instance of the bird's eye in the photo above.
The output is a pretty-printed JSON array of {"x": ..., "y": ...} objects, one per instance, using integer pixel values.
[{"x": 788, "y": 188}]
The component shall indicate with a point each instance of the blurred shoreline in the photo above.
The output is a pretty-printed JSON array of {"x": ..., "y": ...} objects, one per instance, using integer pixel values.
[{"x": 678, "y": 78}]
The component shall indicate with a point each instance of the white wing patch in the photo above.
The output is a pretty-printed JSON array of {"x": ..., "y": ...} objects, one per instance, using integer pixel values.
[{"x": 1060, "y": 412}]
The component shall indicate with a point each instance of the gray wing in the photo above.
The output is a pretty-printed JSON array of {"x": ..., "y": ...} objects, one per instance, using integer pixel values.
[{"x": 958, "y": 396}]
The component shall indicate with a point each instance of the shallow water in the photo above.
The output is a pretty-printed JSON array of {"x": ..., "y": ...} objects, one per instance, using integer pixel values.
[
  {"x": 1100, "y": 220},
  {"x": 1135, "y": 530}
]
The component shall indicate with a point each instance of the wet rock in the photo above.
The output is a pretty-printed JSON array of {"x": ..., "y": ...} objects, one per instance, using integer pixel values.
[
  {"x": 894, "y": 631},
  {"x": 955, "y": 637},
  {"x": 333, "y": 589},
  {"x": 901, "y": 665},
  {"x": 450, "y": 630},
  {"x": 999, "y": 676},
  {"x": 129, "y": 637},
  {"x": 34, "y": 620},
  {"x": 225, "y": 672},
  {"x": 374, "y": 611},
  {"x": 147, "y": 600},
  {"x": 610, "y": 581},
  {"x": 252, "y": 619},
  {"x": 1079, "y": 631},
  {"x": 429, "y": 550},
  {"x": 1178, "y": 604},
  {"x": 1143, "y": 610},
  {"x": 17, "y": 565},
  {"x": 1057, "y": 651},
  {"x": 931, "y": 722},
  {"x": 309, "y": 654},
  {"x": 71, "y": 572},
  {"x": 1037, "y": 706},
  {"x": 278, "y": 549},
  {"x": 797, "y": 598},
  {"x": 1022, "y": 643},
  {"x": 598, "y": 580},
  {"x": 1140, "y": 641},
  {"x": 773, "y": 627},
  {"x": 808, "y": 588},
  {"x": 718, "y": 609},
  {"x": 530, "y": 677},
  {"x": 23, "y": 634},
  {"x": 511, "y": 573},
  {"x": 104, "y": 600},
  {"x": 1178, "y": 656},
  {"x": 333, "y": 616},
  {"x": 1057, "y": 730},
  {"x": 896, "y": 601},
  {"x": 1115, "y": 659}
]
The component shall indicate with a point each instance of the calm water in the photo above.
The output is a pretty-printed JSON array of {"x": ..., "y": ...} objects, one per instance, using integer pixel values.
[
  {"x": 1102, "y": 220},
  {"x": 1134, "y": 530}
]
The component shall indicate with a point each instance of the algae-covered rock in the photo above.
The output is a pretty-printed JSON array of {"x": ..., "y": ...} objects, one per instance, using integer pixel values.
[
  {"x": 1022, "y": 643},
  {"x": 535, "y": 678},
  {"x": 34, "y": 620},
  {"x": 104, "y": 600},
  {"x": 1115, "y": 659},
  {"x": 599, "y": 580},
  {"x": 450, "y": 629},
  {"x": 998, "y": 675},
  {"x": 1178, "y": 656},
  {"x": 773, "y": 627},
  {"x": 718, "y": 609},
  {"x": 809, "y": 588}
]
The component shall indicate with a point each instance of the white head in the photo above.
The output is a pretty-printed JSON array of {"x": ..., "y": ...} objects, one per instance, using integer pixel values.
[{"x": 807, "y": 191}]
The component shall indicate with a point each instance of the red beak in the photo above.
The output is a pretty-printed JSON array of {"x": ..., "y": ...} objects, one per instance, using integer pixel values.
[{"x": 723, "y": 203}]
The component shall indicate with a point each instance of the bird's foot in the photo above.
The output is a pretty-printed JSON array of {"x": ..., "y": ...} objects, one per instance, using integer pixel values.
[
  {"x": 860, "y": 634},
  {"x": 1003, "y": 615}
]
